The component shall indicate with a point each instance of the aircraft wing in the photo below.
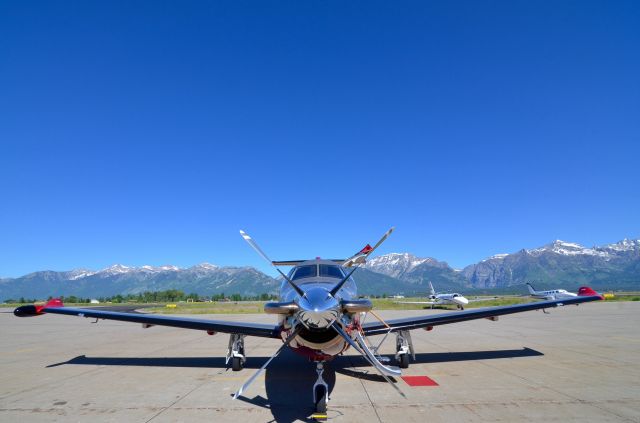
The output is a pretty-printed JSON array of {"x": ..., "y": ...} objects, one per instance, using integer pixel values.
[
  {"x": 410, "y": 323},
  {"x": 250, "y": 329},
  {"x": 417, "y": 302}
]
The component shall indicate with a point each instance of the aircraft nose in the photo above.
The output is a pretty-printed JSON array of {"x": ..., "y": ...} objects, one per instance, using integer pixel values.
[
  {"x": 318, "y": 309},
  {"x": 463, "y": 300}
]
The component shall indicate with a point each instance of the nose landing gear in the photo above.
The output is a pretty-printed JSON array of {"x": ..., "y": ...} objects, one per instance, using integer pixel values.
[{"x": 320, "y": 395}]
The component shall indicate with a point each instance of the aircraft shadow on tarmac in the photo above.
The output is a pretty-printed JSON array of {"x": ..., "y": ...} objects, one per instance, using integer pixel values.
[{"x": 289, "y": 379}]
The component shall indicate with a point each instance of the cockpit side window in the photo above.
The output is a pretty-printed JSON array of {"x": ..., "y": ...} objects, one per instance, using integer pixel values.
[
  {"x": 330, "y": 271},
  {"x": 308, "y": 271}
]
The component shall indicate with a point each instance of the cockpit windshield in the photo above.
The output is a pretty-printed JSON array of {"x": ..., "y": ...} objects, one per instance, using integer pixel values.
[
  {"x": 305, "y": 272},
  {"x": 313, "y": 270},
  {"x": 329, "y": 271}
]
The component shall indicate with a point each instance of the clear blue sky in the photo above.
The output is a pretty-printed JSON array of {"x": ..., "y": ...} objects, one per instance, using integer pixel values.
[{"x": 150, "y": 132}]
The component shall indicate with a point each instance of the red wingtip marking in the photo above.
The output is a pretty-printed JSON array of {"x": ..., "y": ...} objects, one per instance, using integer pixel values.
[
  {"x": 586, "y": 291},
  {"x": 419, "y": 381},
  {"x": 366, "y": 249},
  {"x": 55, "y": 302}
]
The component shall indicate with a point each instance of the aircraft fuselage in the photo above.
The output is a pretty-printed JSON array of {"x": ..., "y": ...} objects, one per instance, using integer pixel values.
[{"x": 314, "y": 312}]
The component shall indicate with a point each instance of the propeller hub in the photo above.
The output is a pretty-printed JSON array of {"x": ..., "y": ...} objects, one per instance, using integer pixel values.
[{"x": 318, "y": 309}]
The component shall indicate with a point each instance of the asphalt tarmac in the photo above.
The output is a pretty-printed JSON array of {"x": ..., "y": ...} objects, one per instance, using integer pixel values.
[{"x": 580, "y": 363}]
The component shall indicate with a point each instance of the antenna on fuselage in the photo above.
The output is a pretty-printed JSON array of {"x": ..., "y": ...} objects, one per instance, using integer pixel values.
[{"x": 253, "y": 244}]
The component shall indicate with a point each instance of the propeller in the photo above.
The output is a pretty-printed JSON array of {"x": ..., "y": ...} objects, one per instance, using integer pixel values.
[
  {"x": 253, "y": 245},
  {"x": 336, "y": 288},
  {"x": 321, "y": 305},
  {"x": 358, "y": 259},
  {"x": 361, "y": 256},
  {"x": 264, "y": 366},
  {"x": 361, "y": 347}
]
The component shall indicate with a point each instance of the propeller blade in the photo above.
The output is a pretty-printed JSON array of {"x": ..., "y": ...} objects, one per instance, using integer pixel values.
[
  {"x": 361, "y": 256},
  {"x": 384, "y": 237},
  {"x": 264, "y": 366},
  {"x": 336, "y": 288},
  {"x": 384, "y": 371},
  {"x": 255, "y": 246}
]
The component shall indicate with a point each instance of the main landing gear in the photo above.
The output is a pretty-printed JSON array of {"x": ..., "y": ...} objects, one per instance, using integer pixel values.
[
  {"x": 235, "y": 352},
  {"x": 404, "y": 347},
  {"x": 320, "y": 394}
]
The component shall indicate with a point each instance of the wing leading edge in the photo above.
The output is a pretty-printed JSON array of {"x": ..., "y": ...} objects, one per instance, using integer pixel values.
[
  {"x": 250, "y": 329},
  {"x": 375, "y": 328}
]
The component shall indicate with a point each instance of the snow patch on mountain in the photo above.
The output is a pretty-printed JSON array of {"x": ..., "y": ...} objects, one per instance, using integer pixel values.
[
  {"x": 624, "y": 245},
  {"x": 205, "y": 266},
  {"x": 80, "y": 273},
  {"x": 116, "y": 269},
  {"x": 568, "y": 249},
  {"x": 497, "y": 257},
  {"x": 397, "y": 264},
  {"x": 156, "y": 269}
]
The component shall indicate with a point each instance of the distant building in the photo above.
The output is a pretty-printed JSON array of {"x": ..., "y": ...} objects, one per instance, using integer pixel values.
[{"x": 94, "y": 301}]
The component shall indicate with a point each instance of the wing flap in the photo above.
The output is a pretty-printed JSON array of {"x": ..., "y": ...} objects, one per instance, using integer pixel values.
[{"x": 250, "y": 329}]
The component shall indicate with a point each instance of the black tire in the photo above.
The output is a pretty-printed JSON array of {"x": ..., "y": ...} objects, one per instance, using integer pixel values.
[
  {"x": 321, "y": 399},
  {"x": 403, "y": 361},
  {"x": 236, "y": 364}
]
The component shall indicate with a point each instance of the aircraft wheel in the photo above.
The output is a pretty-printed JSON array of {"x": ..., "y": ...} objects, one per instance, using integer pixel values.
[
  {"x": 321, "y": 401},
  {"x": 236, "y": 364},
  {"x": 403, "y": 361}
]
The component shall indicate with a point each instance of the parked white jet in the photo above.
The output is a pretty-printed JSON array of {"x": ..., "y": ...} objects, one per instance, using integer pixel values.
[
  {"x": 554, "y": 294},
  {"x": 446, "y": 298}
]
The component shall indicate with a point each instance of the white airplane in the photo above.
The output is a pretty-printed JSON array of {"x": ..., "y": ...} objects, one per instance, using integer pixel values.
[
  {"x": 553, "y": 294},
  {"x": 446, "y": 298}
]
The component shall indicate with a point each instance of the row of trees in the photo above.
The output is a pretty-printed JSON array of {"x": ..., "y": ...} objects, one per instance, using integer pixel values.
[{"x": 170, "y": 295}]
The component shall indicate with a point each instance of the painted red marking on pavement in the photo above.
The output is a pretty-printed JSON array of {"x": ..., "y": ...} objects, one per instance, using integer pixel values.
[{"x": 419, "y": 381}]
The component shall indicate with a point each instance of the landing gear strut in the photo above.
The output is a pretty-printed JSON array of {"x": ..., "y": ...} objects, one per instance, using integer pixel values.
[
  {"x": 404, "y": 347},
  {"x": 235, "y": 352},
  {"x": 320, "y": 391}
]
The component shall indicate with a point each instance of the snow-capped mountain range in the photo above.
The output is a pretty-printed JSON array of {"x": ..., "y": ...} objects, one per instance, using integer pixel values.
[
  {"x": 571, "y": 249},
  {"x": 558, "y": 264},
  {"x": 398, "y": 265},
  {"x": 204, "y": 278}
]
